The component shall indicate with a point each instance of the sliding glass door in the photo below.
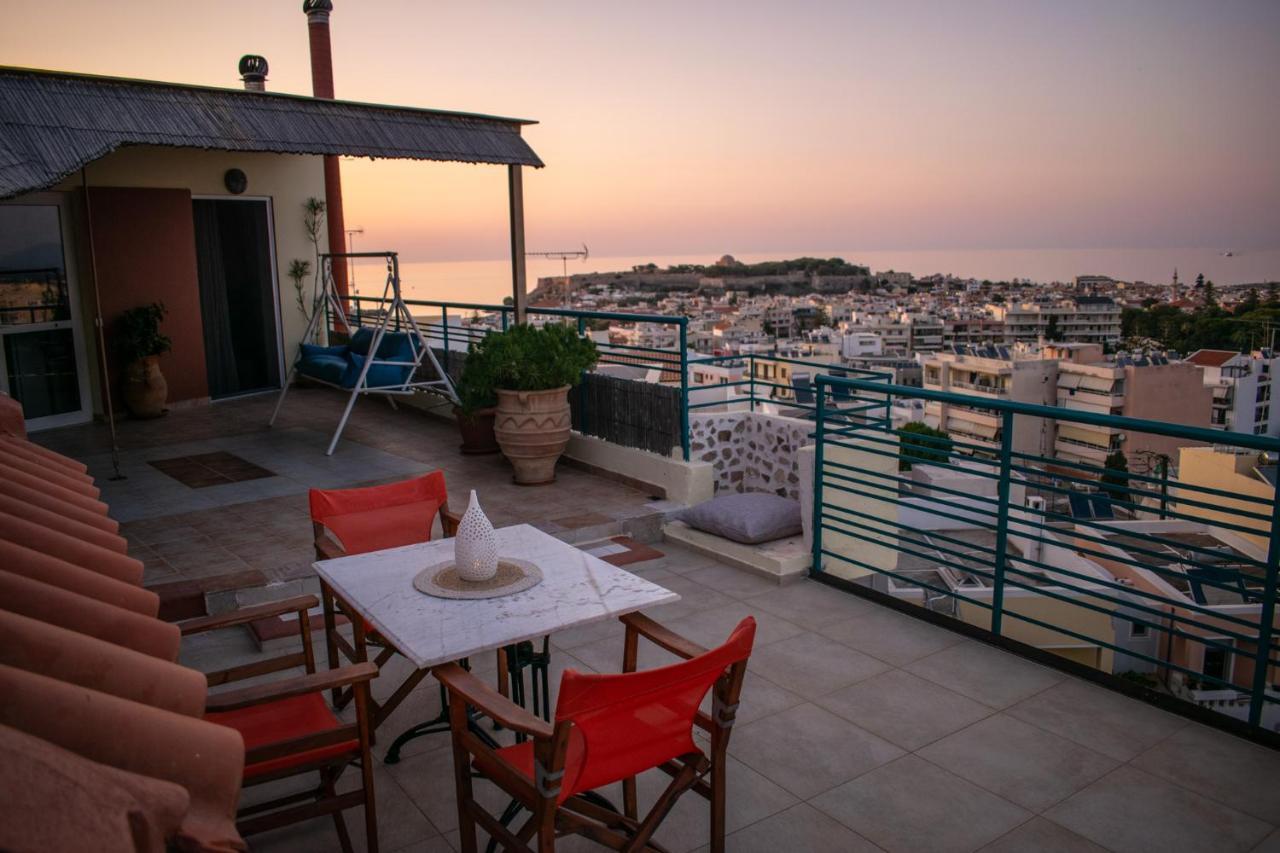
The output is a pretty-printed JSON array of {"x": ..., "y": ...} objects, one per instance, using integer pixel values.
[{"x": 42, "y": 358}]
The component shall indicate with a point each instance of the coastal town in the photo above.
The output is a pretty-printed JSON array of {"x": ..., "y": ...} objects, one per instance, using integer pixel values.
[{"x": 1183, "y": 351}]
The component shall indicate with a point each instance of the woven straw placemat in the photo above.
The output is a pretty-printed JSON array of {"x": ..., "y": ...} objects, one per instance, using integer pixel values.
[{"x": 442, "y": 580}]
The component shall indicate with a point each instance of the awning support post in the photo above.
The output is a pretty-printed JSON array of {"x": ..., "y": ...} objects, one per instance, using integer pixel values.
[{"x": 515, "y": 190}]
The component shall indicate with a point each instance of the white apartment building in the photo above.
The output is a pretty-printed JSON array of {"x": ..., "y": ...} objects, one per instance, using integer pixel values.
[
  {"x": 1082, "y": 319},
  {"x": 1241, "y": 386},
  {"x": 861, "y": 345}
]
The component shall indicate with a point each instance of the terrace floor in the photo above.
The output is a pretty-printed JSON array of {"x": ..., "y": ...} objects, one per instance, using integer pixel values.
[
  {"x": 859, "y": 729},
  {"x": 226, "y": 517}
]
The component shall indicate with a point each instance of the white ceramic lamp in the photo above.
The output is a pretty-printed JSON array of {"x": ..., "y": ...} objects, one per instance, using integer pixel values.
[{"x": 475, "y": 547}]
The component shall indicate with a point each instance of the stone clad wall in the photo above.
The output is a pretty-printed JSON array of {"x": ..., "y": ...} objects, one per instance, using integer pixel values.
[{"x": 750, "y": 452}]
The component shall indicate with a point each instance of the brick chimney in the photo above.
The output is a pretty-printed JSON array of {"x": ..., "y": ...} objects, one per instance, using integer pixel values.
[
  {"x": 317, "y": 12},
  {"x": 253, "y": 71}
]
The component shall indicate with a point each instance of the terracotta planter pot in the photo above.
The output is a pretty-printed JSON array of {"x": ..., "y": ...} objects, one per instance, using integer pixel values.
[
  {"x": 532, "y": 428},
  {"x": 477, "y": 431},
  {"x": 145, "y": 390}
]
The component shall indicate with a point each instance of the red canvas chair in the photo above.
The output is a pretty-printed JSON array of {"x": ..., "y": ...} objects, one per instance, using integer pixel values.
[
  {"x": 607, "y": 728},
  {"x": 373, "y": 518}
]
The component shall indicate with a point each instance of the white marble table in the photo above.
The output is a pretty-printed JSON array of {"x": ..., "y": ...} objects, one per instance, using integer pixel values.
[{"x": 577, "y": 589}]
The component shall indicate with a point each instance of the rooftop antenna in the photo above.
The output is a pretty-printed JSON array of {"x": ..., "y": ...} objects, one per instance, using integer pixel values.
[
  {"x": 563, "y": 257},
  {"x": 351, "y": 248}
]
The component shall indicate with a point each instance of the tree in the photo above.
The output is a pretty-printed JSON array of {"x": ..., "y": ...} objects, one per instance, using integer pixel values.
[
  {"x": 919, "y": 442},
  {"x": 1199, "y": 281},
  {"x": 1210, "y": 297},
  {"x": 1115, "y": 483},
  {"x": 1052, "y": 332}
]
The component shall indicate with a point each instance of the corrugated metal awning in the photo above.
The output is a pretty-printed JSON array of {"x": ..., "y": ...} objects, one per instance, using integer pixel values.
[
  {"x": 1098, "y": 383},
  {"x": 52, "y": 123},
  {"x": 1098, "y": 436}
]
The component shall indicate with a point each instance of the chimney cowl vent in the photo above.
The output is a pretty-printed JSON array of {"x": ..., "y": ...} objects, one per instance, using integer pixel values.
[
  {"x": 317, "y": 8},
  {"x": 253, "y": 71}
]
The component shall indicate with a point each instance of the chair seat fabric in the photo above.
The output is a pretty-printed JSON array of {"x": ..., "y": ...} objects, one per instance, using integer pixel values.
[
  {"x": 389, "y": 527},
  {"x": 272, "y": 722},
  {"x": 520, "y": 758}
]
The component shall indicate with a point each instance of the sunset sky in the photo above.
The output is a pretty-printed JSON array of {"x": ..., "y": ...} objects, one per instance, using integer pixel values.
[{"x": 673, "y": 128}]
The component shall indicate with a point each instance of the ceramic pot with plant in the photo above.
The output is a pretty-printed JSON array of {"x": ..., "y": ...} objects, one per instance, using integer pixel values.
[
  {"x": 532, "y": 370},
  {"x": 477, "y": 405},
  {"x": 140, "y": 344}
]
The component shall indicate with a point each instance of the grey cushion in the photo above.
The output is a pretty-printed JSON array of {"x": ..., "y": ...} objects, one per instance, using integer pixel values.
[{"x": 749, "y": 518}]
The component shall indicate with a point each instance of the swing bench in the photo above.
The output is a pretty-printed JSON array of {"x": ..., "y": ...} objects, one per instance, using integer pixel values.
[{"x": 382, "y": 358}]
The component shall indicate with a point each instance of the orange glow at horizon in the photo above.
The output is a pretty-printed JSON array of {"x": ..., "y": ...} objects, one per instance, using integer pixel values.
[{"x": 673, "y": 128}]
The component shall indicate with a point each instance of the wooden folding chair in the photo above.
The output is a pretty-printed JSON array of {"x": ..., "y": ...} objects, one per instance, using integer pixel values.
[
  {"x": 357, "y": 521},
  {"x": 607, "y": 728}
]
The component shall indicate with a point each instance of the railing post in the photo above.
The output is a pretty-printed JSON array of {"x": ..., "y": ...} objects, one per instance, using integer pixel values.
[
  {"x": 1262, "y": 657},
  {"x": 503, "y": 314},
  {"x": 582, "y": 385},
  {"x": 819, "y": 437},
  {"x": 751, "y": 367},
  {"x": 1002, "y": 520},
  {"x": 684, "y": 387},
  {"x": 444, "y": 330}
]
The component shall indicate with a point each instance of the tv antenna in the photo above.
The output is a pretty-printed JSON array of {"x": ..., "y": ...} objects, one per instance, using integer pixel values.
[{"x": 564, "y": 258}]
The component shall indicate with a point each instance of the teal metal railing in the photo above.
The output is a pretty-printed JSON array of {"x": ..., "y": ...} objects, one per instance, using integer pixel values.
[
  {"x": 455, "y": 337},
  {"x": 1165, "y": 573}
]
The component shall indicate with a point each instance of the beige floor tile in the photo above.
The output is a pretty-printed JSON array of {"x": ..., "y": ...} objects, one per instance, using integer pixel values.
[
  {"x": 987, "y": 674},
  {"x": 812, "y": 665},
  {"x": 912, "y": 805},
  {"x": 1225, "y": 768},
  {"x": 710, "y": 628},
  {"x": 733, "y": 581},
  {"x": 1042, "y": 836},
  {"x": 811, "y": 603},
  {"x": 1100, "y": 719},
  {"x": 904, "y": 709},
  {"x": 800, "y": 827},
  {"x": 1018, "y": 761},
  {"x": 1131, "y": 810},
  {"x": 892, "y": 637},
  {"x": 808, "y": 750}
]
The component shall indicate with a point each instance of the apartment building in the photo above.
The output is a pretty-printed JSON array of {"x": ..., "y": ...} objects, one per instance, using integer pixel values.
[
  {"x": 1241, "y": 388},
  {"x": 1085, "y": 319},
  {"x": 972, "y": 331},
  {"x": 861, "y": 345},
  {"x": 996, "y": 373},
  {"x": 1147, "y": 387}
]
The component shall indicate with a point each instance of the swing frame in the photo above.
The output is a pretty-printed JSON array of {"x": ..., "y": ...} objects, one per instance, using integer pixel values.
[{"x": 328, "y": 303}]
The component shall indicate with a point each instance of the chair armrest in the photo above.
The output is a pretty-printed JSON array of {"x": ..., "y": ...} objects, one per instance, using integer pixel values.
[
  {"x": 230, "y": 700},
  {"x": 298, "y": 604},
  {"x": 449, "y": 521},
  {"x": 662, "y": 636},
  {"x": 490, "y": 702},
  {"x": 327, "y": 549}
]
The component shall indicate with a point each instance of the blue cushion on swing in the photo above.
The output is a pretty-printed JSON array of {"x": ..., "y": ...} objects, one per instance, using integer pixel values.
[
  {"x": 380, "y": 375},
  {"x": 323, "y": 364}
]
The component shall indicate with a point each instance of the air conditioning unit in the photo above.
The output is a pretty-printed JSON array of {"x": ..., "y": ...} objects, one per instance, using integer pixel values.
[{"x": 1036, "y": 503}]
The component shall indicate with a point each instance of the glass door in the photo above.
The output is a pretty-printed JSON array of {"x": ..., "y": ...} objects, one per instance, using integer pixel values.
[{"x": 42, "y": 362}]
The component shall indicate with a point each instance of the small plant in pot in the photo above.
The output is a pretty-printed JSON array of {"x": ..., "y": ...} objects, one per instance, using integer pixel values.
[
  {"x": 140, "y": 345},
  {"x": 532, "y": 370},
  {"x": 477, "y": 404}
]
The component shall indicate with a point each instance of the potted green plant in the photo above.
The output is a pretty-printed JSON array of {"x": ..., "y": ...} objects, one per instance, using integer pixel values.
[
  {"x": 532, "y": 370},
  {"x": 477, "y": 404},
  {"x": 140, "y": 344}
]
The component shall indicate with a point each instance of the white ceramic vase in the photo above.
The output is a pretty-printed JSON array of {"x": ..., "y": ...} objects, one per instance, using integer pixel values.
[{"x": 475, "y": 547}]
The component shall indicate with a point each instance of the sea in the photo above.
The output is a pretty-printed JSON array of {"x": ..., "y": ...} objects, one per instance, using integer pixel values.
[{"x": 488, "y": 281}]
